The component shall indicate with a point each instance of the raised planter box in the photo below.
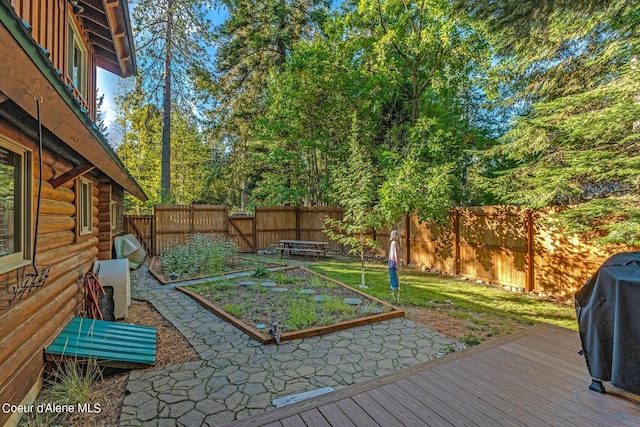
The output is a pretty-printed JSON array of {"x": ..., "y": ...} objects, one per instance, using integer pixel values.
[{"x": 254, "y": 333}]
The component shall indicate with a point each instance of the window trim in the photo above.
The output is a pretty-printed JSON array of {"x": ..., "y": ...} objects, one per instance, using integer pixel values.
[
  {"x": 84, "y": 206},
  {"x": 74, "y": 38},
  {"x": 22, "y": 258},
  {"x": 113, "y": 214}
]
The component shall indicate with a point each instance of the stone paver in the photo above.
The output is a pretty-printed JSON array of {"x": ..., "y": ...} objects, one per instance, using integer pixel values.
[{"x": 237, "y": 376}]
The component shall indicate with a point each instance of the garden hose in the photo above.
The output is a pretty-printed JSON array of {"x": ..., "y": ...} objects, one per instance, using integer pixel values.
[{"x": 92, "y": 289}]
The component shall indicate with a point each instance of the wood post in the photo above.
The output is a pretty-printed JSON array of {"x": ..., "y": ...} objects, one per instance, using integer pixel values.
[
  {"x": 456, "y": 242},
  {"x": 529, "y": 242},
  {"x": 297, "y": 222}
]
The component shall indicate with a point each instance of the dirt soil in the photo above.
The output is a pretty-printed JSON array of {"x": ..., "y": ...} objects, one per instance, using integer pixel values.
[{"x": 256, "y": 304}]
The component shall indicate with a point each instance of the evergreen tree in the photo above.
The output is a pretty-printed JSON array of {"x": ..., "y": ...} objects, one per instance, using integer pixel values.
[
  {"x": 254, "y": 43},
  {"x": 100, "y": 114},
  {"x": 574, "y": 71},
  {"x": 140, "y": 124},
  {"x": 171, "y": 36}
]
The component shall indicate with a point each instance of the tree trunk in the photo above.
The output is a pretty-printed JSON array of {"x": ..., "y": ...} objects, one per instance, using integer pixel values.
[{"x": 165, "y": 180}]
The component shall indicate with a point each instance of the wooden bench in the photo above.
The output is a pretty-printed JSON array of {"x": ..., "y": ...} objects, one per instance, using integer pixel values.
[{"x": 302, "y": 247}]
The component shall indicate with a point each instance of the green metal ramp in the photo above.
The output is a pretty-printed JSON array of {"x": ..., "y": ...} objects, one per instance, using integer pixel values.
[{"x": 109, "y": 343}]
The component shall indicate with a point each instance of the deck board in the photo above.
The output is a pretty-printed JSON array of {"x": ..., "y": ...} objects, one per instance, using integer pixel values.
[
  {"x": 335, "y": 416},
  {"x": 314, "y": 418},
  {"x": 292, "y": 421},
  {"x": 532, "y": 378},
  {"x": 447, "y": 396},
  {"x": 383, "y": 417},
  {"x": 355, "y": 413},
  {"x": 391, "y": 404}
]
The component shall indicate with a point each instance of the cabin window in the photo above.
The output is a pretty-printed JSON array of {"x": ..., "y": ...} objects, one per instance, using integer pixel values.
[
  {"x": 15, "y": 205},
  {"x": 77, "y": 61},
  {"x": 114, "y": 214},
  {"x": 85, "y": 206}
]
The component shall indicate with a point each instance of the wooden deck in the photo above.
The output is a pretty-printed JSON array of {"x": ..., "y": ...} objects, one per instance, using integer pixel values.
[{"x": 531, "y": 378}]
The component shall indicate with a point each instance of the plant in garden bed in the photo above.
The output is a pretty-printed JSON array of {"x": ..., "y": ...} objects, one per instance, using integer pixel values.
[
  {"x": 261, "y": 272},
  {"x": 201, "y": 254},
  {"x": 302, "y": 314},
  {"x": 70, "y": 384},
  {"x": 293, "y": 309}
]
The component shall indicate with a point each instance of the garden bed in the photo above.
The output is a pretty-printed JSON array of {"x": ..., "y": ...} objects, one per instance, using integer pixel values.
[
  {"x": 238, "y": 266},
  {"x": 303, "y": 303}
]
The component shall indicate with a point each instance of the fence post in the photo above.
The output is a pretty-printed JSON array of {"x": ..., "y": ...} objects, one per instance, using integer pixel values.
[
  {"x": 297, "y": 222},
  {"x": 529, "y": 239},
  {"x": 192, "y": 216},
  {"x": 456, "y": 242}
]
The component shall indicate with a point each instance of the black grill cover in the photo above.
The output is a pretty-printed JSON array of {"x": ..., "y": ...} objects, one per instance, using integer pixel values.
[{"x": 608, "y": 310}]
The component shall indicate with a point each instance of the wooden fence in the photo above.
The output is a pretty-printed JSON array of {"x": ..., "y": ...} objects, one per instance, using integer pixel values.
[
  {"x": 503, "y": 245},
  {"x": 174, "y": 223},
  {"x": 274, "y": 223},
  {"x": 141, "y": 226}
]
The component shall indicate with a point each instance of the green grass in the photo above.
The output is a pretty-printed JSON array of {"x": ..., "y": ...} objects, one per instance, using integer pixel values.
[
  {"x": 302, "y": 314},
  {"x": 489, "y": 307}
]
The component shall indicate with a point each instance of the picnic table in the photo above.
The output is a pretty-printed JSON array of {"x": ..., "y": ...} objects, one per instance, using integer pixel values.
[{"x": 302, "y": 247}]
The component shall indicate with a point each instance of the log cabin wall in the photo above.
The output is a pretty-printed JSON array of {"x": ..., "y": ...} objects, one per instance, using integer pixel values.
[
  {"x": 110, "y": 216},
  {"x": 105, "y": 236},
  {"x": 49, "y": 21},
  {"x": 29, "y": 325},
  {"x": 117, "y": 197}
]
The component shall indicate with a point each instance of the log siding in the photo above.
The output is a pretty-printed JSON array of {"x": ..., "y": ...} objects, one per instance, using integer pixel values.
[
  {"x": 49, "y": 21},
  {"x": 29, "y": 325}
]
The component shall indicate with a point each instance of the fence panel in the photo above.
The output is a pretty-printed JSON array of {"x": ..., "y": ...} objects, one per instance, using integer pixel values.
[
  {"x": 274, "y": 223},
  {"x": 141, "y": 226},
  {"x": 431, "y": 245},
  {"x": 311, "y": 222},
  {"x": 563, "y": 263},
  {"x": 493, "y": 245},
  {"x": 241, "y": 228},
  {"x": 174, "y": 223}
]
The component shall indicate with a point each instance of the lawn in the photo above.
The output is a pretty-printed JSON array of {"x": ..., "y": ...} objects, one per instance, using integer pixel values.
[{"x": 486, "y": 311}]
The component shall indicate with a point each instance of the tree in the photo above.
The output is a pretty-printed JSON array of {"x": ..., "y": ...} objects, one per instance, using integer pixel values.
[
  {"x": 141, "y": 128},
  {"x": 170, "y": 36},
  {"x": 355, "y": 185},
  {"x": 308, "y": 117},
  {"x": 100, "y": 114},
  {"x": 431, "y": 57},
  {"x": 254, "y": 44},
  {"x": 575, "y": 145}
]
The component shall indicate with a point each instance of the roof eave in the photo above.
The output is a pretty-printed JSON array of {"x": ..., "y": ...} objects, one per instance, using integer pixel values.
[{"x": 38, "y": 78}]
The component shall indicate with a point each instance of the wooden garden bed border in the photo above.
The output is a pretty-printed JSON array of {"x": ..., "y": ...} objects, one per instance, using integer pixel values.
[
  {"x": 163, "y": 278},
  {"x": 305, "y": 333}
]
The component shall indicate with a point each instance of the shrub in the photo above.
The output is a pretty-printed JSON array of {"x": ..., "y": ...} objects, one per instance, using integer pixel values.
[
  {"x": 70, "y": 384},
  {"x": 201, "y": 254}
]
